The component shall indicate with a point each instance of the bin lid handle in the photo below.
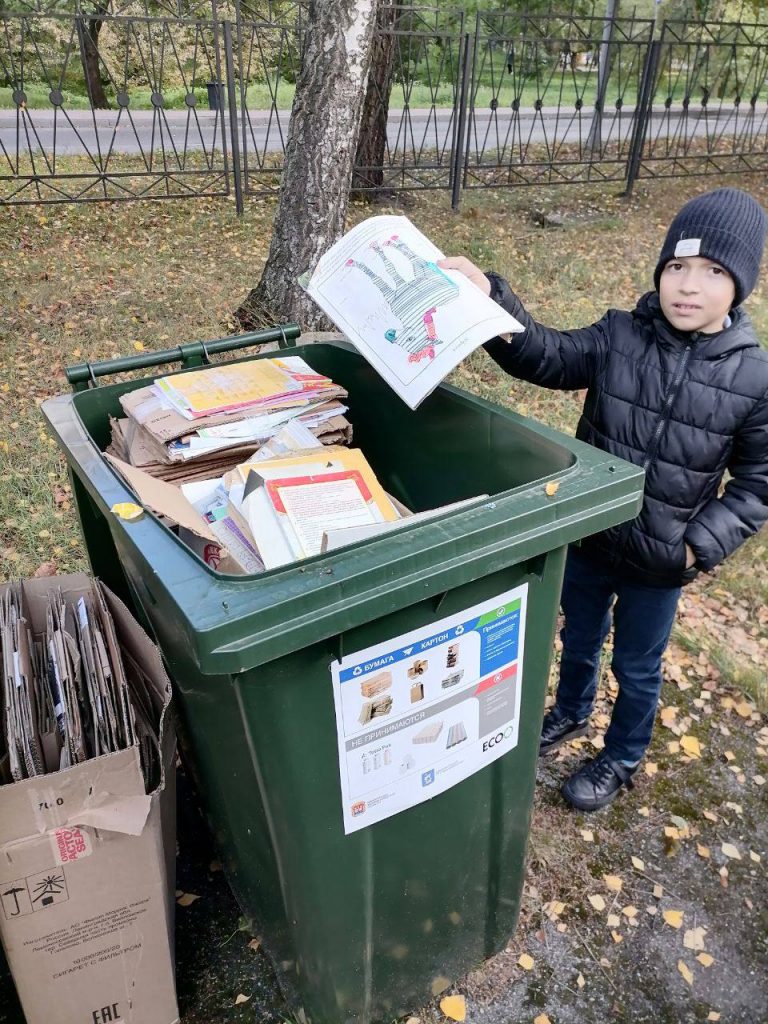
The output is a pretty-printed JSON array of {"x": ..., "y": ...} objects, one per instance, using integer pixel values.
[{"x": 81, "y": 376}]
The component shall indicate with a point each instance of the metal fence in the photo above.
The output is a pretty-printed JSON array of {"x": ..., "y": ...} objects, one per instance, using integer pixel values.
[{"x": 158, "y": 99}]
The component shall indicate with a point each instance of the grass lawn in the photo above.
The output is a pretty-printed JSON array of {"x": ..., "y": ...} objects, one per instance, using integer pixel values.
[
  {"x": 92, "y": 282},
  {"x": 96, "y": 281},
  {"x": 552, "y": 89}
]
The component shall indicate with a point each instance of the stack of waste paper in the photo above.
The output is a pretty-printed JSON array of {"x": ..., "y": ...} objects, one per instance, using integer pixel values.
[
  {"x": 194, "y": 425},
  {"x": 243, "y": 460}
]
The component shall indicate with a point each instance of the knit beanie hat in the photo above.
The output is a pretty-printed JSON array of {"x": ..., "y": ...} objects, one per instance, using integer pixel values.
[{"x": 727, "y": 226}]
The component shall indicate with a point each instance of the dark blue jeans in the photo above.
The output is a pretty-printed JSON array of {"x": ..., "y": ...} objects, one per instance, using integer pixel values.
[{"x": 642, "y": 621}]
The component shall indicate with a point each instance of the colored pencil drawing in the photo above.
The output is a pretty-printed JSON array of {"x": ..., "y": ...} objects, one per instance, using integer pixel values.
[{"x": 415, "y": 301}]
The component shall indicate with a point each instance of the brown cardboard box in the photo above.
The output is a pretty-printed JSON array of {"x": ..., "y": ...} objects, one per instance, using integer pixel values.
[{"x": 87, "y": 866}]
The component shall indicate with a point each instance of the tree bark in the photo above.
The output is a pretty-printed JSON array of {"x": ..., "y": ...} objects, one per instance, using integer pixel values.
[
  {"x": 372, "y": 144},
  {"x": 595, "y": 137},
  {"x": 319, "y": 156},
  {"x": 89, "y": 49}
]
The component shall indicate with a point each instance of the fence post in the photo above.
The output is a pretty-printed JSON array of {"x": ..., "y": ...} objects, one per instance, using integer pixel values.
[
  {"x": 643, "y": 111},
  {"x": 232, "y": 102},
  {"x": 458, "y": 152}
]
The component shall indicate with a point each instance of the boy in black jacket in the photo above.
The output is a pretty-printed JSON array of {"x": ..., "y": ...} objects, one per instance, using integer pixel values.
[{"x": 679, "y": 386}]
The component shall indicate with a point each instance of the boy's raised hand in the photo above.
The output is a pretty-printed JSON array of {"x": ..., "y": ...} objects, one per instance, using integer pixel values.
[{"x": 469, "y": 270}]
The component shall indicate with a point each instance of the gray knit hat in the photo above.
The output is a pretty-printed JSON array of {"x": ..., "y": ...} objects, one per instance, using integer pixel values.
[{"x": 727, "y": 226}]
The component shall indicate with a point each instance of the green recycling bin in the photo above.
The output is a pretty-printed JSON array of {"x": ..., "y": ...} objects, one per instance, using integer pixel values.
[{"x": 382, "y": 857}]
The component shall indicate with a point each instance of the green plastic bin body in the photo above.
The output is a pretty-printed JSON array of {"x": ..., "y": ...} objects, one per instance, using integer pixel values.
[{"x": 365, "y": 926}]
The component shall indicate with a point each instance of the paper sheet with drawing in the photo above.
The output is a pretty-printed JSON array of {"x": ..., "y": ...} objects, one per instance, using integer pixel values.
[{"x": 412, "y": 320}]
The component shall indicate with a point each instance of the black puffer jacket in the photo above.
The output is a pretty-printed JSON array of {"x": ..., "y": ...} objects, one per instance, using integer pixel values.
[{"x": 686, "y": 407}]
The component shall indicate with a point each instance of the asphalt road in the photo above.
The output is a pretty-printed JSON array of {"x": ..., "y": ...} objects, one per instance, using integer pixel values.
[{"x": 99, "y": 133}]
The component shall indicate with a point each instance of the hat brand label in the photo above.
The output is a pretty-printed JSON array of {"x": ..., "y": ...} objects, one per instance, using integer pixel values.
[{"x": 688, "y": 247}]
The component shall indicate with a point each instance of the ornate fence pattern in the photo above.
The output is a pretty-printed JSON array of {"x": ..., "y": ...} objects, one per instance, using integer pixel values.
[{"x": 156, "y": 99}]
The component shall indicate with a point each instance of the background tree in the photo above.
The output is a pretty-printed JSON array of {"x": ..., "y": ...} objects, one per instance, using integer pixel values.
[
  {"x": 372, "y": 140},
  {"x": 88, "y": 29},
  {"x": 319, "y": 157}
]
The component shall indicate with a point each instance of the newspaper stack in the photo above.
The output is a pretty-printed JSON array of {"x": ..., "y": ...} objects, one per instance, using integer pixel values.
[{"x": 196, "y": 425}]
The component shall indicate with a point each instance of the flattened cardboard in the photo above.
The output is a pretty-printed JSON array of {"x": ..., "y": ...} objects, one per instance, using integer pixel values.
[
  {"x": 87, "y": 864},
  {"x": 167, "y": 500},
  {"x": 163, "y": 498},
  {"x": 146, "y": 408}
]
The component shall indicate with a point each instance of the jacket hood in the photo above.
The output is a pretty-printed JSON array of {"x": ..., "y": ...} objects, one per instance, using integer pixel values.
[{"x": 739, "y": 335}]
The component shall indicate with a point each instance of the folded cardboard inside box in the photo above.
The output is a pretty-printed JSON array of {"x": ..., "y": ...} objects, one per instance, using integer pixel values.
[{"x": 87, "y": 862}]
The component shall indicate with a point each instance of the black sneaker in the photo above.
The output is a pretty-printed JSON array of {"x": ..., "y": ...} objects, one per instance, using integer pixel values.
[
  {"x": 597, "y": 783},
  {"x": 557, "y": 729}
]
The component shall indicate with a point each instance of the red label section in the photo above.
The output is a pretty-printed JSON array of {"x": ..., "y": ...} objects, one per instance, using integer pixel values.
[{"x": 498, "y": 677}]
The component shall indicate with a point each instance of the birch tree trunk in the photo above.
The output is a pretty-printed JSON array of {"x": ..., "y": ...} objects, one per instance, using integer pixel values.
[{"x": 320, "y": 151}]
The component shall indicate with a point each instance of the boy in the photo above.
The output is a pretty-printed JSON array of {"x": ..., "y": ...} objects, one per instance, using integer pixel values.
[{"x": 680, "y": 387}]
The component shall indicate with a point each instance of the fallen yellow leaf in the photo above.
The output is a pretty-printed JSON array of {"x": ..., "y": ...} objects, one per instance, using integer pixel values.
[
  {"x": 241, "y": 999},
  {"x": 525, "y": 960},
  {"x": 542, "y": 1019},
  {"x": 644, "y": 812},
  {"x": 685, "y": 970},
  {"x": 705, "y": 959},
  {"x": 254, "y": 944},
  {"x": 597, "y": 901},
  {"x": 613, "y": 882},
  {"x": 127, "y": 510},
  {"x": 703, "y": 851},
  {"x": 637, "y": 863},
  {"x": 651, "y": 768},
  {"x": 580, "y": 981},
  {"x": 713, "y": 1015},
  {"x": 730, "y": 851},
  {"x": 440, "y": 984},
  {"x": 617, "y": 937},
  {"x": 554, "y": 908},
  {"x": 587, "y": 835},
  {"x": 613, "y": 921},
  {"x": 629, "y": 912},
  {"x": 658, "y": 891},
  {"x": 139, "y": 346},
  {"x": 187, "y": 899},
  {"x": 691, "y": 746},
  {"x": 694, "y": 938},
  {"x": 673, "y": 917},
  {"x": 454, "y": 1007},
  {"x": 552, "y": 487}
]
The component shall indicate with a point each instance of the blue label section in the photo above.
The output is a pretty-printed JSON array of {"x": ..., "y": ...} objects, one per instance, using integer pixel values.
[{"x": 499, "y": 643}]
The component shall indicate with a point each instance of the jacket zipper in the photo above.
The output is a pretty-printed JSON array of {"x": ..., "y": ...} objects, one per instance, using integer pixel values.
[{"x": 650, "y": 455}]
